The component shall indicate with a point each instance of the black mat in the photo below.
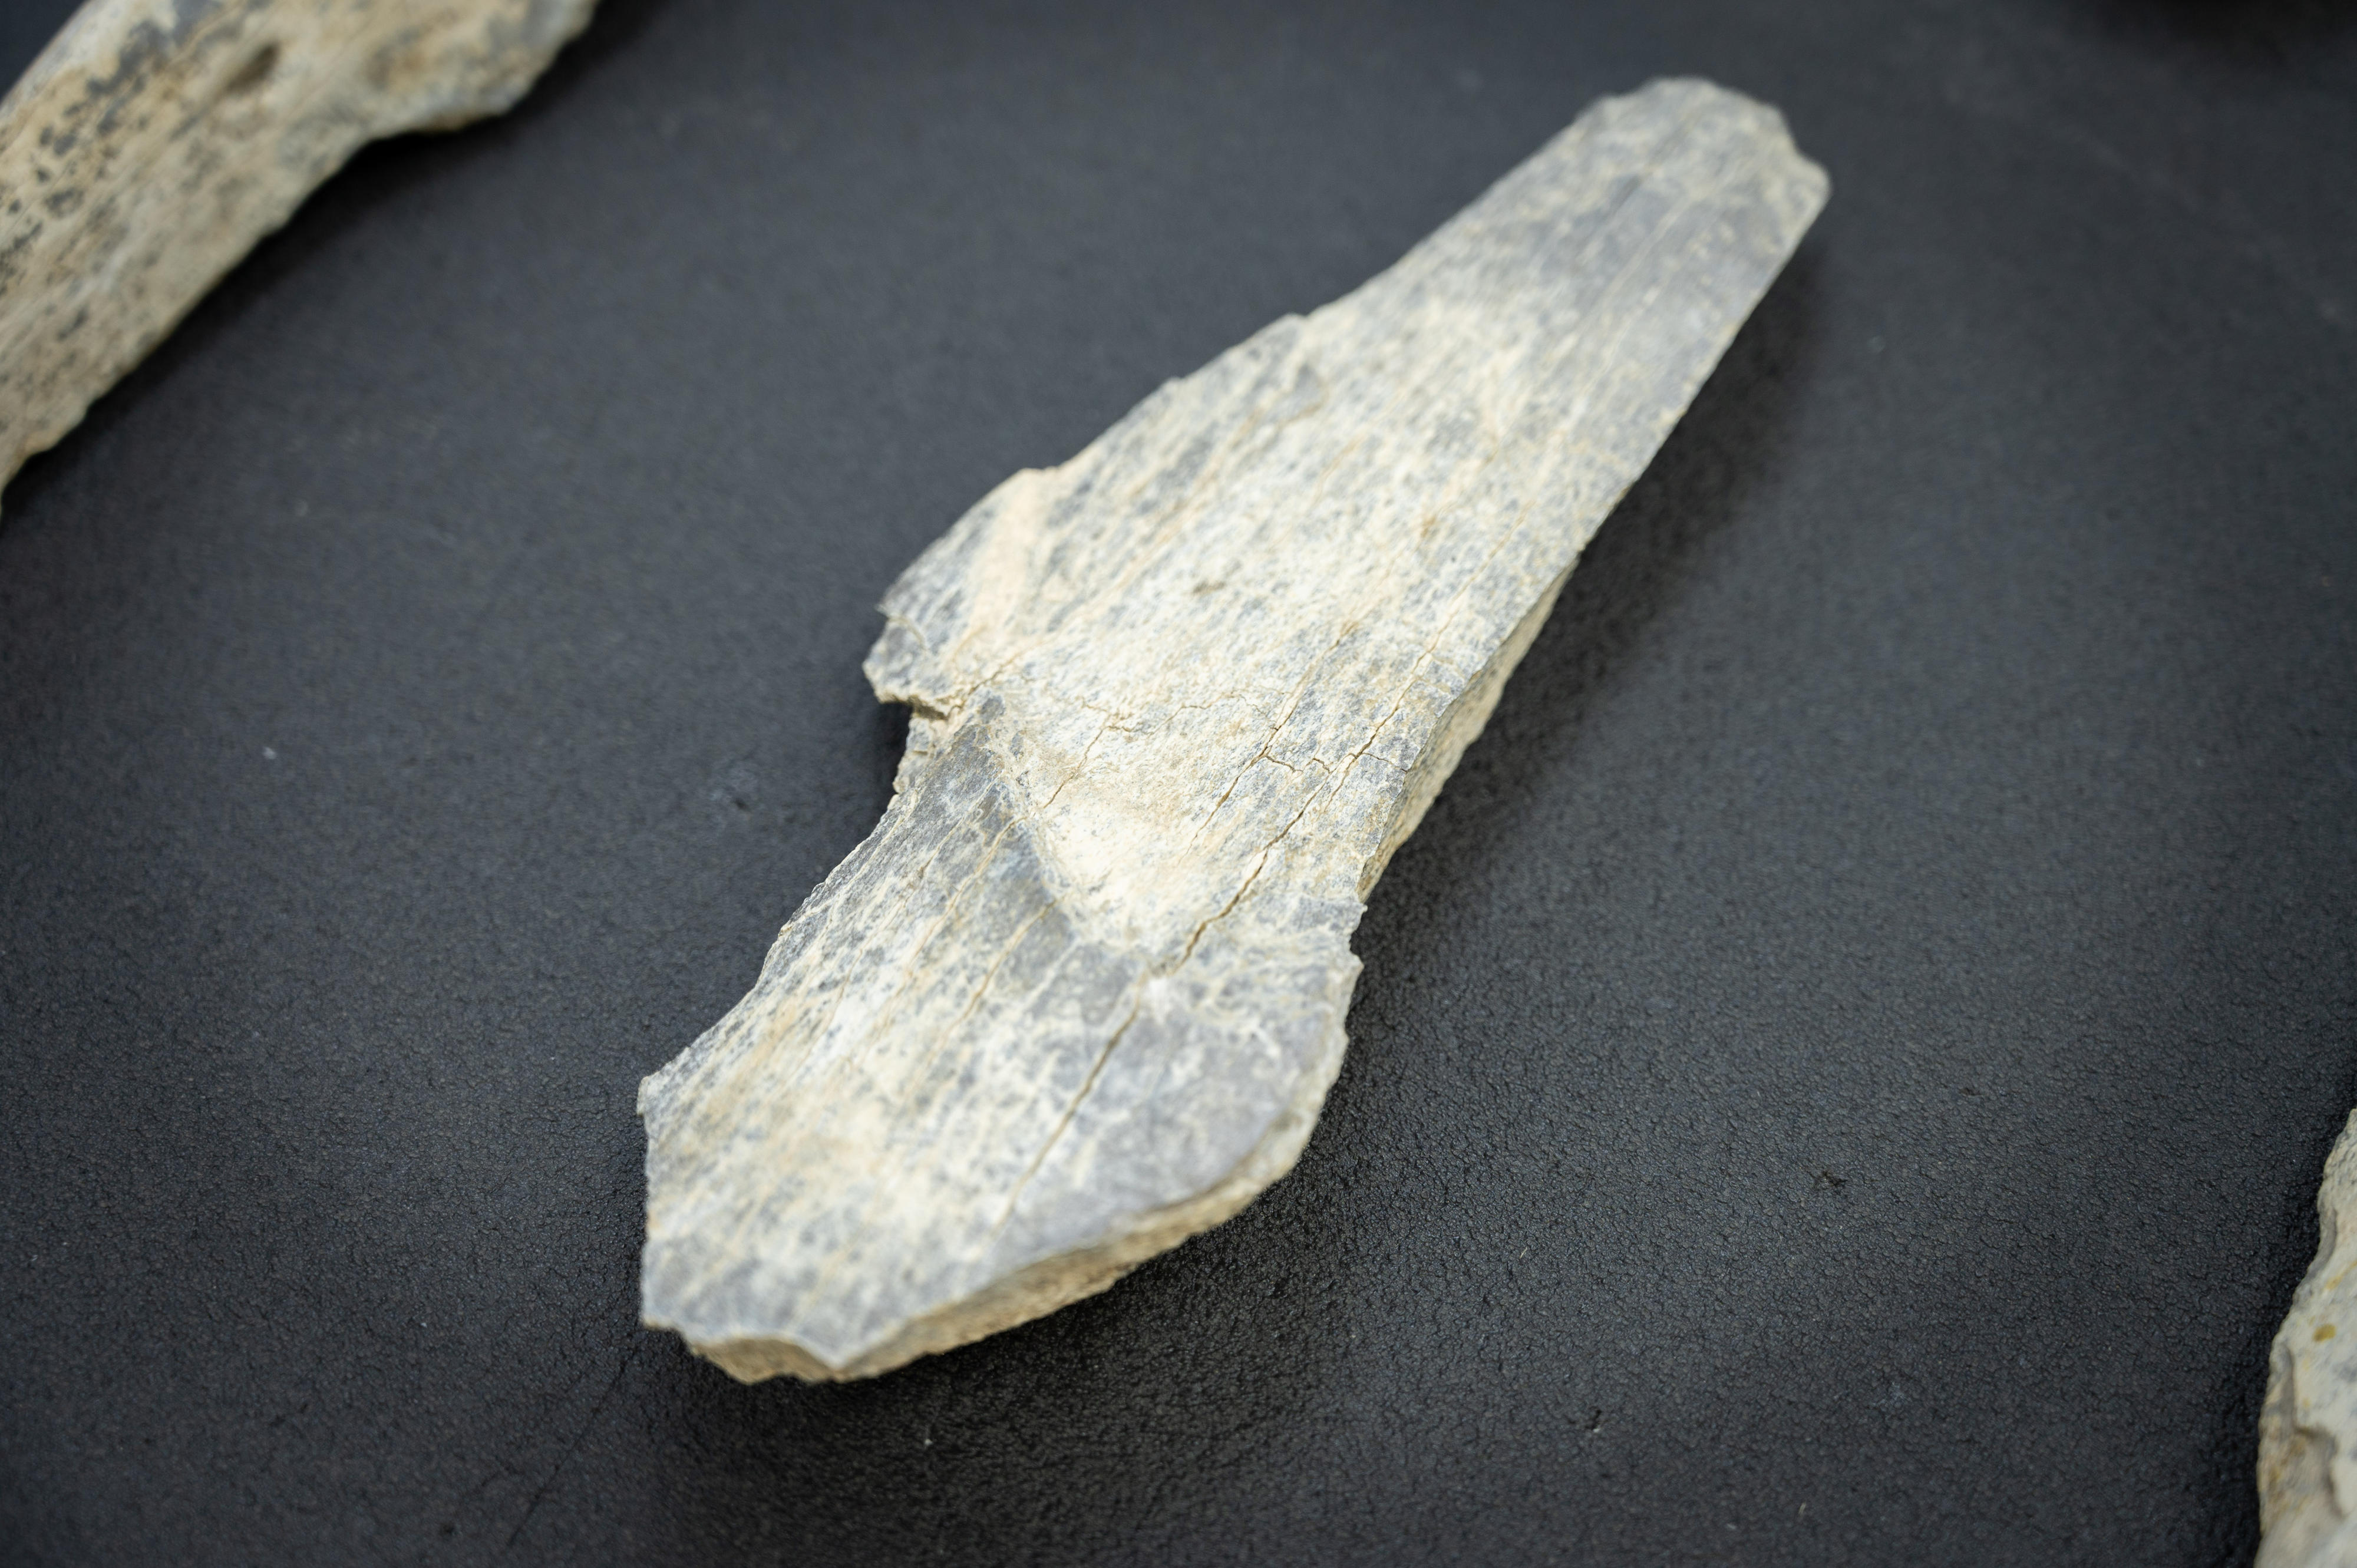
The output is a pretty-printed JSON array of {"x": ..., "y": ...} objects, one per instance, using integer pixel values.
[{"x": 1840, "y": 1077}]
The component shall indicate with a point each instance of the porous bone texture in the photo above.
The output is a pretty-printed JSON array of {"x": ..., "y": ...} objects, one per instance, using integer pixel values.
[
  {"x": 156, "y": 141},
  {"x": 1081, "y": 992}
]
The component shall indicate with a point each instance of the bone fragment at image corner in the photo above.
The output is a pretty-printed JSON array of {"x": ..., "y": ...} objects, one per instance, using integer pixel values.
[
  {"x": 2308, "y": 1427},
  {"x": 155, "y": 142},
  {"x": 1080, "y": 994}
]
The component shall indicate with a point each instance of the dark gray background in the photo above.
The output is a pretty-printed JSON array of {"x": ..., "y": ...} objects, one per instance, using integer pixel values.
[{"x": 1841, "y": 1074}]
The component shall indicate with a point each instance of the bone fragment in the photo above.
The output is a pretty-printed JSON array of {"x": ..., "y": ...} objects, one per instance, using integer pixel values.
[
  {"x": 1175, "y": 704},
  {"x": 2308, "y": 1427},
  {"x": 155, "y": 142}
]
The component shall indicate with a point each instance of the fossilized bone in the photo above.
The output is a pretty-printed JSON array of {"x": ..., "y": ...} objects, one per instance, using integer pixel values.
[
  {"x": 2308, "y": 1427},
  {"x": 154, "y": 142},
  {"x": 1080, "y": 994}
]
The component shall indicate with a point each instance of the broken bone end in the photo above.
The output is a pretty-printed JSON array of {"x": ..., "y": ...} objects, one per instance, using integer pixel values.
[{"x": 1029, "y": 1293}]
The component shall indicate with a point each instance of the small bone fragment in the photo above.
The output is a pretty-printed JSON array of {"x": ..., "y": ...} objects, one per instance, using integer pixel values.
[
  {"x": 155, "y": 142},
  {"x": 1080, "y": 994},
  {"x": 2308, "y": 1427}
]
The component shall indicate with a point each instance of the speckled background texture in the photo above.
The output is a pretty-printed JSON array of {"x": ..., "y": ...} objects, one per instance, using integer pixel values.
[{"x": 1840, "y": 1077}]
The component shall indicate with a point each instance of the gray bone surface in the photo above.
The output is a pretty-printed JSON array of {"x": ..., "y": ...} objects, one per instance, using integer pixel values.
[
  {"x": 1080, "y": 994},
  {"x": 155, "y": 142}
]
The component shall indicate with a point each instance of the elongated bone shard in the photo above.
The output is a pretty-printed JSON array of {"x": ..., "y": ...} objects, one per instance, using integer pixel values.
[
  {"x": 2308, "y": 1427},
  {"x": 1080, "y": 994},
  {"x": 155, "y": 142}
]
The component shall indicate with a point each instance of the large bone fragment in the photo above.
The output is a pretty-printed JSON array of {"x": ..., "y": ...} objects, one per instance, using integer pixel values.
[
  {"x": 155, "y": 142},
  {"x": 1175, "y": 704},
  {"x": 2308, "y": 1427}
]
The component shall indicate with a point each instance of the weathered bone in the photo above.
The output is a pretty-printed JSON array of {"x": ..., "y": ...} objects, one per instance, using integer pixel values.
[
  {"x": 2308, "y": 1428},
  {"x": 1080, "y": 994},
  {"x": 156, "y": 141}
]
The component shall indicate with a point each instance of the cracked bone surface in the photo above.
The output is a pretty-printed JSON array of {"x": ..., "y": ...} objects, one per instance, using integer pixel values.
[
  {"x": 2308, "y": 1427},
  {"x": 1080, "y": 994},
  {"x": 155, "y": 142}
]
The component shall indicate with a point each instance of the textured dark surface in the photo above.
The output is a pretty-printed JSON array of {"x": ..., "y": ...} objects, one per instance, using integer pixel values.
[{"x": 1840, "y": 1076}]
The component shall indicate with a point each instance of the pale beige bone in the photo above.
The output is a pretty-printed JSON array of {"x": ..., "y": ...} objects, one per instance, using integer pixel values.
[
  {"x": 156, "y": 141},
  {"x": 2308, "y": 1428},
  {"x": 1082, "y": 991}
]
